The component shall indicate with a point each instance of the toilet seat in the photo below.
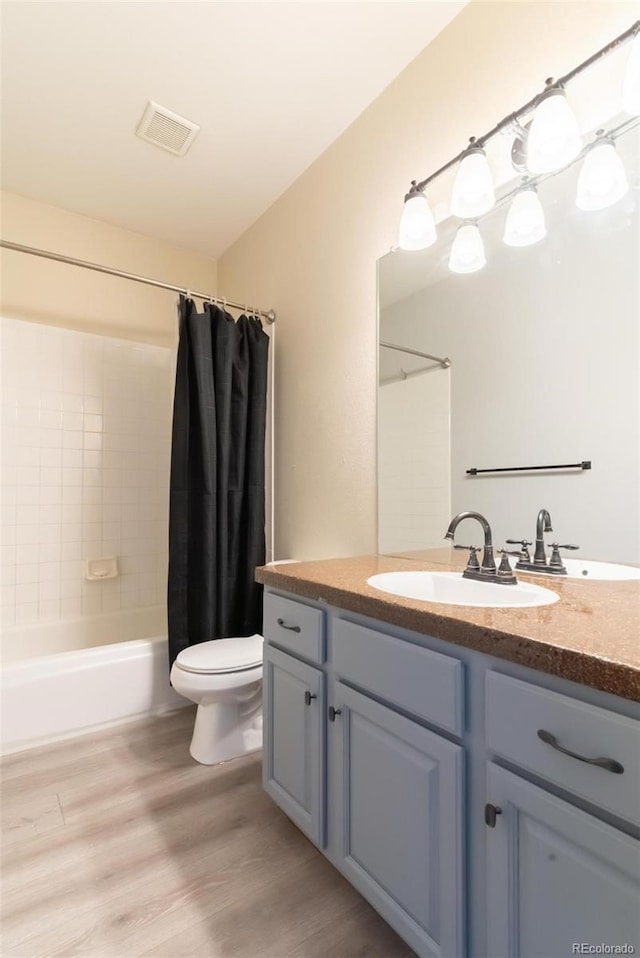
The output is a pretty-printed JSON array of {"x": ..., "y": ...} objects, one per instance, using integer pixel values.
[{"x": 222, "y": 656}]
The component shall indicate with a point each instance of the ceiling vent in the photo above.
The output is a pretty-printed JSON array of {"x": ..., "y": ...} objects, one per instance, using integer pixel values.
[{"x": 166, "y": 129}]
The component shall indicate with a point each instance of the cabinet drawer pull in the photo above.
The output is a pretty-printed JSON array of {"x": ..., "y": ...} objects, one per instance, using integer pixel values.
[
  {"x": 291, "y": 628},
  {"x": 333, "y": 712},
  {"x": 308, "y": 696},
  {"x": 609, "y": 764}
]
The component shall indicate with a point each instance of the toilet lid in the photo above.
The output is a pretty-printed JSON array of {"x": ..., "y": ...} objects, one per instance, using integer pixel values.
[{"x": 223, "y": 655}]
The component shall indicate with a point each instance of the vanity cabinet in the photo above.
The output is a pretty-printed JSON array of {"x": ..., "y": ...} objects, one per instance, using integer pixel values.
[
  {"x": 294, "y": 726},
  {"x": 398, "y": 803},
  {"x": 556, "y": 875},
  {"x": 416, "y": 767},
  {"x": 394, "y": 789}
]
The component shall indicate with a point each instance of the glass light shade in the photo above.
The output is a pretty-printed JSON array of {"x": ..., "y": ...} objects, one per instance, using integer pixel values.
[
  {"x": 417, "y": 225},
  {"x": 631, "y": 85},
  {"x": 467, "y": 253},
  {"x": 602, "y": 181},
  {"x": 554, "y": 137},
  {"x": 473, "y": 192},
  {"x": 525, "y": 220}
]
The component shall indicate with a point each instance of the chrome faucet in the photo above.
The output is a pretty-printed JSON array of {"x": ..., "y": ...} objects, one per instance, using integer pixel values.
[
  {"x": 543, "y": 524},
  {"x": 487, "y": 572},
  {"x": 539, "y": 562}
]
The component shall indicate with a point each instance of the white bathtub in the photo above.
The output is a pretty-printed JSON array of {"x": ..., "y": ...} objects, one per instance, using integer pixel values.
[{"x": 64, "y": 678}]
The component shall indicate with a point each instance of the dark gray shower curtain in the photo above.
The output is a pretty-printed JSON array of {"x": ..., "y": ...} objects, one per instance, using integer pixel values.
[{"x": 217, "y": 496}]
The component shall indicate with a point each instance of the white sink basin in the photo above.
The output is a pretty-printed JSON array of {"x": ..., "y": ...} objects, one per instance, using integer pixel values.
[
  {"x": 590, "y": 569},
  {"x": 450, "y": 588}
]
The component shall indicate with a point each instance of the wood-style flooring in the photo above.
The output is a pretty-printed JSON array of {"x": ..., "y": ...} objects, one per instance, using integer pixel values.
[{"x": 118, "y": 845}]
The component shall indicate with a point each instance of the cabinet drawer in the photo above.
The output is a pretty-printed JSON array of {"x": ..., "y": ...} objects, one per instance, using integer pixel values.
[
  {"x": 424, "y": 683},
  {"x": 516, "y": 712},
  {"x": 294, "y": 626}
]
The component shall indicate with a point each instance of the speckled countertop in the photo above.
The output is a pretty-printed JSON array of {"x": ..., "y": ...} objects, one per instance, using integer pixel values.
[{"x": 591, "y": 635}]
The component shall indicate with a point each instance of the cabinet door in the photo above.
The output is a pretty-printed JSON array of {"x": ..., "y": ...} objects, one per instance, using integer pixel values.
[
  {"x": 398, "y": 805},
  {"x": 557, "y": 876},
  {"x": 293, "y": 756}
]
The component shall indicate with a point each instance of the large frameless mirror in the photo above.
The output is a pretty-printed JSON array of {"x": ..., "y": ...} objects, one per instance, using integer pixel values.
[{"x": 531, "y": 361}]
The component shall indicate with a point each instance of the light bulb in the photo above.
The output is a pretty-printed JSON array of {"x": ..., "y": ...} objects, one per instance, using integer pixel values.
[
  {"x": 631, "y": 85},
  {"x": 602, "y": 181},
  {"x": 554, "y": 138},
  {"x": 467, "y": 252},
  {"x": 417, "y": 226},
  {"x": 525, "y": 220},
  {"x": 473, "y": 192}
]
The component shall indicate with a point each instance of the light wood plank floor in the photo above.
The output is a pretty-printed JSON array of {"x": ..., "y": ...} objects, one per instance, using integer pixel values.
[{"x": 118, "y": 845}]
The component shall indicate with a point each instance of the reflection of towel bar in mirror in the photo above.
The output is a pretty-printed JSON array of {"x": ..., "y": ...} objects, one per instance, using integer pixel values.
[{"x": 585, "y": 464}]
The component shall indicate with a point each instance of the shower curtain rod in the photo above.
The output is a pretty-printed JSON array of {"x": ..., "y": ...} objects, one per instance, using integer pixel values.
[
  {"x": 445, "y": 363},
  {"x": 269, "y": 315}
]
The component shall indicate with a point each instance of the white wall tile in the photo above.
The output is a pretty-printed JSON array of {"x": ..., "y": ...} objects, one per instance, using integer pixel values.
[
  {"x": 71, "y": 607},
  {"x": 49, "y": 610},
  {"x": 26, "y": 613},
  {"x": 85, "y": 449}
]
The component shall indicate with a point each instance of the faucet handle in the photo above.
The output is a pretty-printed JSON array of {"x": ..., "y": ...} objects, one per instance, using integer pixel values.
[
  {"x": 555, "y": 562},
  {"x": 473, "y": 563},
  {"x": 505, "y": 572},
  {"x": 525, "y": 543}
]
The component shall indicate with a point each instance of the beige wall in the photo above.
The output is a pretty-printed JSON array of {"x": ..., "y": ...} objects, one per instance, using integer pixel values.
[
  {"x": 313, "y": 255},
  {"x": 47, "y": 292}
]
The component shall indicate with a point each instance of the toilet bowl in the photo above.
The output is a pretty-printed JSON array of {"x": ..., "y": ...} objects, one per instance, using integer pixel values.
[{"x": 224, "y": 679}]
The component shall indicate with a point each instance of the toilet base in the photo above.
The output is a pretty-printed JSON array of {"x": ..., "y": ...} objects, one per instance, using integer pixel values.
[{"x": 225, "y": 730}]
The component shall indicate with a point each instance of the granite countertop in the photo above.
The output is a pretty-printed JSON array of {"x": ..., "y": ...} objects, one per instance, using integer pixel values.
[{"x": 591, "y": 635}]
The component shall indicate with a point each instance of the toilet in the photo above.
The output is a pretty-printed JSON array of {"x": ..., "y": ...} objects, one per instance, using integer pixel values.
[{"x": 224, "y": 679}]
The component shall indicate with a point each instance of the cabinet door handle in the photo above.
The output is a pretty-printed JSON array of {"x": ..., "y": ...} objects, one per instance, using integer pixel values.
[
  {"x": 333, "y": 712},
  {"x": 609, "y": 764},
  {"x": 291, "y": 628},
  {"x": 308, "y": 696},
  {"x": 491, "y": 812}
]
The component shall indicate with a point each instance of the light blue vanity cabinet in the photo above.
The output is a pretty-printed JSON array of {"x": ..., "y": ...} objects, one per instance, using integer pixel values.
[
  {"x": 293, "y": 763},
  {"x": 398, "y": 813},
  {"x": 556, "y": 875},
  {"x": 294, "y": 768},
  {"x": 394, "y": 788},
  {"x": 421, "y": 773}
]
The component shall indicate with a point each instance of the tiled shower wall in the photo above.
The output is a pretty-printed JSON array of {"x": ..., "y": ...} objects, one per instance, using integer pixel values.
[
  {"x": 414, "y": 462},
  {"x": 86, "y": 436}
]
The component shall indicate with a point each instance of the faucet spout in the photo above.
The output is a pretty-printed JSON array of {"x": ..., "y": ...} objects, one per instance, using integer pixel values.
[
  {"x": 488, "y": 561},
  {"x": 543, "y": 524}
]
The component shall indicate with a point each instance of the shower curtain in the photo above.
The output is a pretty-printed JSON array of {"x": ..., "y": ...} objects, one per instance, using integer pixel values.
[{"x": 217, "y": 493}]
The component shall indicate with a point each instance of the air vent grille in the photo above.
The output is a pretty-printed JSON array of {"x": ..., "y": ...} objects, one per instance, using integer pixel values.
[{"x": 166, "y": 129}]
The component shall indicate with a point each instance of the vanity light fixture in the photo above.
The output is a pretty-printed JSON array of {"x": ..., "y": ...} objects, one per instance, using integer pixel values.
[
  {"x": 417, "y": 225},
  {"x": 602, "y": 181},
  {"x": 631, "y": 85},
  {"x": 525, "y": 223},
  {"x": 473, "y": 192},
  {"x": 554, "y": 137},
  {"x": 552, "y": 140},
  {"x": 467, "y": 252}
]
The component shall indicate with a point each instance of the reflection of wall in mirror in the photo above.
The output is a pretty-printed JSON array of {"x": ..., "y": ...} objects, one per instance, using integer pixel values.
[
  {"x": 544, "y": 351},
  {"x": 414, "y": 499}
]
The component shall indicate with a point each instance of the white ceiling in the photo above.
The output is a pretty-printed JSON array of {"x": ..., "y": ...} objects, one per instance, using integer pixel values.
[{"x": 271, "y": 84}]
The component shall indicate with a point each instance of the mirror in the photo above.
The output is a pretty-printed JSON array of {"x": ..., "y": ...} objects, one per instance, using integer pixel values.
[{"x": 543, "y": 349}]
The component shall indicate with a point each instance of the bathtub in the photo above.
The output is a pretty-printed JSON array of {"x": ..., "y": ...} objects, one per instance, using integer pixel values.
[{"x": 63, "y": 678}]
